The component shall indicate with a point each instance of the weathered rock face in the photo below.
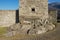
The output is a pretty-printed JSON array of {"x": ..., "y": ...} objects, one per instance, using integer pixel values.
[
  {"x": 32, "y": 26},
  {"x": 36, "y": 26},
  {"x": 34, "y": 8}
]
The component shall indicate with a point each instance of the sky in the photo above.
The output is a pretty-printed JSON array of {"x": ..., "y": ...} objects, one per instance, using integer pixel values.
[
  {"x": 8, "y": 4},
  {"x": 14, "y": 4},
  {"x": 50, "y": 1}
]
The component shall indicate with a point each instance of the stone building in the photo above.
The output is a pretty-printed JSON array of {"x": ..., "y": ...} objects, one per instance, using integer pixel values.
[{"x": 31, "y": 12}]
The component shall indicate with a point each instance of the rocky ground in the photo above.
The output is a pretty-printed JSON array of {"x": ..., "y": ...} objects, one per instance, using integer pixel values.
[
  {"x": 34, "y": 26},
  {"x": 52, "y": 35}
]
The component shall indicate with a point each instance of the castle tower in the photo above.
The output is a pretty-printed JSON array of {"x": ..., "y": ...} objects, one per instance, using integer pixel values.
[{"x": 33, "y": 16}]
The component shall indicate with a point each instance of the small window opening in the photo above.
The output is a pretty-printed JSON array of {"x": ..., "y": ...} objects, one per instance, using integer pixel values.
[{"x": 33, "y": 9}]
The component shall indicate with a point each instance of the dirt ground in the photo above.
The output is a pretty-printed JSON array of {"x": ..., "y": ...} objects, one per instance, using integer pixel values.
[{"x": 52, "y": 35}]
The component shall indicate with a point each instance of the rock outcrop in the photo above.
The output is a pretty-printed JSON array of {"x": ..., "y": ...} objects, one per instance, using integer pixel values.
[{"x": 36, "y": 26}]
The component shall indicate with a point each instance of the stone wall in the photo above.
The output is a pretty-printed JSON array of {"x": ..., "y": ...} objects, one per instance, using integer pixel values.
[
  {"x": 36, "y": 8},
  {"x": 53, "y": 16},
  {"x": 33, "y": 9},
  {"x": 7, "y": 17}
]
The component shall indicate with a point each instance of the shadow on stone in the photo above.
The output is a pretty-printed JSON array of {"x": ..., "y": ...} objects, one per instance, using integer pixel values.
[{"x": 17, "y": 16}]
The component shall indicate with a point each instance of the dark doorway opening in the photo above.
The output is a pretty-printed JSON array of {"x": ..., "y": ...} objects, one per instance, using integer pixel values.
[{"x": 17, "y": 16}]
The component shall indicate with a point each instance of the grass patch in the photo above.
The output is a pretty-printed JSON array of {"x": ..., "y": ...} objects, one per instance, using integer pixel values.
[{"x": 3, "y": 30}]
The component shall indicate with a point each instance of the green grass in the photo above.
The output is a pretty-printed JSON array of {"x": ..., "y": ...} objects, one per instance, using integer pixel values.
[{"x": 3, "y": 30}]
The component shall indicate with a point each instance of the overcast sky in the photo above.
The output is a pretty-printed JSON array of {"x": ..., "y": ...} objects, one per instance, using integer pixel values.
[{"x": 13, "y": 4}]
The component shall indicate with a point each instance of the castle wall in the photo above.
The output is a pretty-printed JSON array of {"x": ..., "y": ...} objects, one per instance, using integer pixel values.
[
  {"x": 53, "y": 16},
  {"x": 7, "y": 17}
]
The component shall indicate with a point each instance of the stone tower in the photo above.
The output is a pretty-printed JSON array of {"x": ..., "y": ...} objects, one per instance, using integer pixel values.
[{"x": 34, "y": 16}]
